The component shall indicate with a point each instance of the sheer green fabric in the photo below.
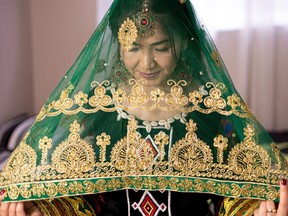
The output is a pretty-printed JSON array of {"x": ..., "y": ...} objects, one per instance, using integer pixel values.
[{"x": 103, "y": 129}]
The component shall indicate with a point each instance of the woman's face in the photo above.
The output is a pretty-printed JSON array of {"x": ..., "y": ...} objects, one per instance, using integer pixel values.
[{"x": 152, "y": 58}]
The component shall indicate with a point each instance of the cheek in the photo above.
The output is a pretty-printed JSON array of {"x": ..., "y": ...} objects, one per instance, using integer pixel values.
[
  {"x": 129, "y": 62},
  {"x": 168, "y": 64}
]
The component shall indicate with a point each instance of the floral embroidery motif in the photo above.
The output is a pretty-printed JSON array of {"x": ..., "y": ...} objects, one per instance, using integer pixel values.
[
  {"x": 249, "y": 160},
  {"x": 21, "y": 164},
  {"x": 132, "y": 153},
  {"x": 191, "y": 154},
  {"x": 214, "y": 100},
  {"x": 202, "y": 100},
  {"x": 73, "y": 157},
  {"x": 80, "y": 98}
]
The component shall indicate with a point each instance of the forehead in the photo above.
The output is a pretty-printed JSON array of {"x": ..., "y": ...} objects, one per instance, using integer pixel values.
[{"x": 158, "y": 36}]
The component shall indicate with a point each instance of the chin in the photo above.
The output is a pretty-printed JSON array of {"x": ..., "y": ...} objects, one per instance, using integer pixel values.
[{"x": 155, "y": 84}]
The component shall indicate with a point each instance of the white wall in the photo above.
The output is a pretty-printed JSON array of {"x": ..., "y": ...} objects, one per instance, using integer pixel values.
[
  {"x": 39, "y": 41},
  {"x": 15, "y": 59},
  {"x": 60, "y": 30}
]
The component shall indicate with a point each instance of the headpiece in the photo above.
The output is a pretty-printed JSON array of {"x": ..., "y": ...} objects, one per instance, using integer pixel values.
[{"x": 142, "y": 24}]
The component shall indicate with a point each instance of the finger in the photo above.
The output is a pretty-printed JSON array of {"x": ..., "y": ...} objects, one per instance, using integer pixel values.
[
  {"x": 12, "y": 209},
  {"x": 262, "y": 209},
  {"x": 283, "y": 204},
  {"x": 256, "y": 213},
  {"x": 271, "y": 208},
  {"x": 20, "y": 211},
  {"x": 4, "y": 209}
]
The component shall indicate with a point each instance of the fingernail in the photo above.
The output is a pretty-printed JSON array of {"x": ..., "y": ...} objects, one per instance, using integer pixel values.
[
  {"x": 2, "y": 192},
  {"x": 283, "y": 182}
]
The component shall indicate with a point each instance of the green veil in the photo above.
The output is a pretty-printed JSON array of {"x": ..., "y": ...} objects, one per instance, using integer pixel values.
[{"x": 86, "y": 138}]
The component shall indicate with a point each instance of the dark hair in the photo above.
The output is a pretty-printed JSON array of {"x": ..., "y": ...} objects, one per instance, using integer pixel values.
[{"x": 172, "y": 16}]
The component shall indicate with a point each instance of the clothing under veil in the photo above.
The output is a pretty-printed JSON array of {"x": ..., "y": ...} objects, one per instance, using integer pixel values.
[{"x": 90, "y": 136}]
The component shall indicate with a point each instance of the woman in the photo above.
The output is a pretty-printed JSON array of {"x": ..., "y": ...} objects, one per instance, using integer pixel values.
[{"x": 146, "y": 122}]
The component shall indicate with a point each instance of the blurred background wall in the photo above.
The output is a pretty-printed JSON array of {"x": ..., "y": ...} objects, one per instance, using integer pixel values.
[{"x": 40, "y": 39}]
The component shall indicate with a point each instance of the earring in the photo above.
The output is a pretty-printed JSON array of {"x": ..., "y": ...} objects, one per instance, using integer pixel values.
[
  {"x": 120, "y": 73},
  {"x": 183, "y": 71}
]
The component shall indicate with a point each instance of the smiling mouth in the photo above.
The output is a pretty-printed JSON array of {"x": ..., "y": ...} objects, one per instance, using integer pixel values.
[{"x": 149, "y": 75}]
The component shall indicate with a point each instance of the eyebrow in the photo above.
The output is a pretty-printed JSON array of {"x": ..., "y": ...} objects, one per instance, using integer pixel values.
[{"x": 153, "y": 44}]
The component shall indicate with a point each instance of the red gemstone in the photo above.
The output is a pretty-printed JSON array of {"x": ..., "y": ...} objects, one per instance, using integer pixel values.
[
  {"x": 118, "y": 73},
  {"x": 144, "y": 21}
]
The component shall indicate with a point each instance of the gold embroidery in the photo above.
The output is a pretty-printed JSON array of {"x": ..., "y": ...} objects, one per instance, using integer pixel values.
[
  {"x": 210, "y": 186},
  {"x": 51, "y": 189},
  {"x": 234, "y": 101},
  {"x": 100, "y": 99},
  {"x": 132, "y": 153},
  {"x": 20, "y": 166},
  {"x": 64, "y": 102},
  {"x": 25, "y": 191},
  {"x": 277, "y": 152},
  {"x": 157, "y": 95},
  {"x": 138, "y": 99},
  {"x": 63, "y": 188},
  {"x": 80, "y": 98},
  {"x": 88, "y": 187},
  {"x": 45, "y": 144},
  {"x": 214, "y": 100},
  {"x": 191, "y": 155},
  {"x": 38, "y": 190},
  {"x": 161, "y": 140},
  {"x": 221, "y": 143},
  {"x": 191, "y": 166},
  {"x": 176, "y": 97},
  {"x": 249, "y": 160},
  {"x": 103, "y": 140},
  {"x": 195, "y": 97},
  {"x": 13, "y": 192},
  {"x": 75, "y": 187},
  {"x": 74, "y": 156},
  {"x": 186, "y": 185}
]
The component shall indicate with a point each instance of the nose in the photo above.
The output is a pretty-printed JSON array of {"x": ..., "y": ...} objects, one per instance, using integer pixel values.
[{"x": 147, "y": 60}]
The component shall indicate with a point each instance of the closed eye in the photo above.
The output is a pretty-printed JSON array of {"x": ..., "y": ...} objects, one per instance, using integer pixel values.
[
  {"x": 134, "y": 49},
  {"x": 164, "y": 49}
]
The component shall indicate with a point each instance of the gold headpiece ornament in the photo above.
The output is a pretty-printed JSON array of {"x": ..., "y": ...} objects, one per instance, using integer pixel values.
[
  {"x": 127, "y": 34},
  {"x": 143, "y": 24},
  {"x": 145, "y": 21}
]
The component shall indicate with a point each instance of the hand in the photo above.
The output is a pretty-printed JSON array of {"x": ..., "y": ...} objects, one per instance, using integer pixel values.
[
  {"x": 269, "y": 208},
  {"x": 18, "y": 208}
]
